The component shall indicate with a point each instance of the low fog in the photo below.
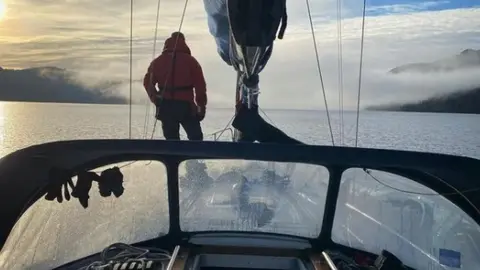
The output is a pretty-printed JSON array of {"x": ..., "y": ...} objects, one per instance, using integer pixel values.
[
  {"x": 379, "y": 85},
  {"x": 50, "y": 84}
]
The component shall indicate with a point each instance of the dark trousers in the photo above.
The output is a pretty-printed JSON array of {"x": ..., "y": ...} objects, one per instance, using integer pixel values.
[{"x": 174, "y": 113}]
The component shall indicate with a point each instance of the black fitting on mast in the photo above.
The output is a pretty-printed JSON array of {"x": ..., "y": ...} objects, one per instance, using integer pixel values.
[{"x": 250, "y": 81}]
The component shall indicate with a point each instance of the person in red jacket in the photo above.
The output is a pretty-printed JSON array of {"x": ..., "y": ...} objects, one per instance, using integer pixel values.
[{"x": 176, "y": 85}]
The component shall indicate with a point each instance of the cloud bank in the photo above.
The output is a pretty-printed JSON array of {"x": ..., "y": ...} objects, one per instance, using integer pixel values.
[
  {"x": 92, "y": 38},
  {"x": 53, "y": 85}
]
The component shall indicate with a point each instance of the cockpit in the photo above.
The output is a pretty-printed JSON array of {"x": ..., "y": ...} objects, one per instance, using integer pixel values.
[{"x": 187, "y": 212}]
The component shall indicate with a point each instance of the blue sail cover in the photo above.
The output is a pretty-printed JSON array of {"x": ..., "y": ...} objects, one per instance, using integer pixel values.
[{"x": 218, "y": 25}]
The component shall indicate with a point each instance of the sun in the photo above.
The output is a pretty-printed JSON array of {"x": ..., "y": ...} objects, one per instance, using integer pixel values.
[{"x": 3, "y": 9}]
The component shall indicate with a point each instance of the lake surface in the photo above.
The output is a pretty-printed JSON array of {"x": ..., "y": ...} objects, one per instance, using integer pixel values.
[
  {"x": 47, "y": 236},
  {"x": 25, "y": 124}
]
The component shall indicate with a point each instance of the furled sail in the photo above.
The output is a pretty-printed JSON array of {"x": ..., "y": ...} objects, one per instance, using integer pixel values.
[
  {"x": 244, "y": 31},
  {"x": 219, "y": 27}
]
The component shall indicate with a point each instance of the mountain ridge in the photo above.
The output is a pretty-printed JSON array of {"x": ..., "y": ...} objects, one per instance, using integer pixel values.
[
  {"x": 468, "y": 58},
  {"x": 465, "y": 101},
  {"x": 458, "y": 101}
]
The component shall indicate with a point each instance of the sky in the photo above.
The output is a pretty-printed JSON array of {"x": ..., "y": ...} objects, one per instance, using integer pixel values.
[{"x": 91, "y": 38}]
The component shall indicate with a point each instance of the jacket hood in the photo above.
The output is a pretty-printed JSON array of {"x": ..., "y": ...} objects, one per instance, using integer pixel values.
[{"x": 181, "y": 45}]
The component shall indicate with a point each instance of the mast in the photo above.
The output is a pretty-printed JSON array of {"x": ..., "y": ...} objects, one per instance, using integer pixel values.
[
  {"x": 237, "y": 134},
  {"x": 245, "y": 31},
  {"x": 250, "y": 46}
]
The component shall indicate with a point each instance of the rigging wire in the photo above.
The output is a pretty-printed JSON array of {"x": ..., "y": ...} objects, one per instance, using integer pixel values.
[
  {"x": 360, "y": 72},
  {"x": 340, "y": 72},
  {"x": 219, "y": 133},
  {"x": 339, "y": 29},
  {"x": 268, "y": 118},
  {"x": 457, "y": 192},
  {"x": 173, "y": 55},
  {"x": 226, "y": 127},
  {"x": 367, "y": 171},
  {"x": 154, "y": 51},
  {"x": 131, "y": 73},
  {"x": 172, "y": 66},
  {"x": 319, "y": 70},
  {"x": 155, "y": 36}
]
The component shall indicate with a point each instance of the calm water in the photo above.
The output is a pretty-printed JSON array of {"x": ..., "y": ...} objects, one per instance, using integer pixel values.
[
  {"x": 25, "y": 124},
  {"x": 62, "y": 239}
]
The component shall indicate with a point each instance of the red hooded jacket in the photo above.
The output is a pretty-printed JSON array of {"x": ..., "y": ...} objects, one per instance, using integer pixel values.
[{"x": 186, "y": 74}]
